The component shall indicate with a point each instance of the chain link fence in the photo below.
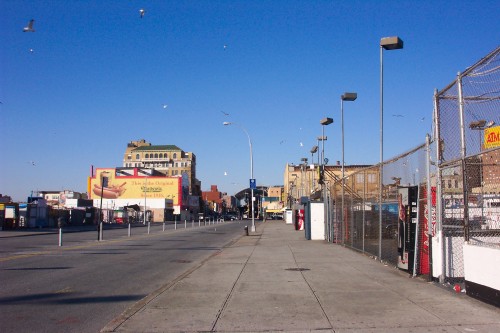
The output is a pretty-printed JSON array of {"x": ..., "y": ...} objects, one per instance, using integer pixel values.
[
  {"x": 467, "y": 117},
  {"x": 356, "y": 217}
]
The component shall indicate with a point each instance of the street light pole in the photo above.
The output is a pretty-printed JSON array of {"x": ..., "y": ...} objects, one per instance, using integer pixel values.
[
  {"x": 386, "y": 43},
  {"x": 325, "y": 122},
  {"x": 313, "y": 150},
  {"x": 345, "y": 97},
  {"x": 227, "y": 123}
]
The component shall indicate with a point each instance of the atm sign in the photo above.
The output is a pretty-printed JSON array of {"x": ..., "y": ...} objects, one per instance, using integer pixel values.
[{"x": 492, "y": 137}]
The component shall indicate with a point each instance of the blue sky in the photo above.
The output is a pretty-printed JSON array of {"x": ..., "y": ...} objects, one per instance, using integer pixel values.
[{"x": 98, "y": 75}]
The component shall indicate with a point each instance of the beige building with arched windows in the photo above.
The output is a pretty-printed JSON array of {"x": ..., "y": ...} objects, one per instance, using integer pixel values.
[{"x": 170, "y": 160}]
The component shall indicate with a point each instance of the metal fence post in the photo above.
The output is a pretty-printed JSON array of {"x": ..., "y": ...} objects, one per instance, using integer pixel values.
[{"x": 463, "y": 153}]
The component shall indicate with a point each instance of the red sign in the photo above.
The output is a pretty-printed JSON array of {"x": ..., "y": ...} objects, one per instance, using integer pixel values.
[{"x": 424, "y": 236}]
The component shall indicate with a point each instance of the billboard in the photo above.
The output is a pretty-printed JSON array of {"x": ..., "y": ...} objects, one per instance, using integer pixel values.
[
  {"x": 133, "y": 187},
  {"x": 492, "y": 137}
]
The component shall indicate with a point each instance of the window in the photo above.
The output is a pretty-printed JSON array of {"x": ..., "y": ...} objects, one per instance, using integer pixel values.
[
  {"x": 137, "y": 157},
  {"x": 174, "y": 156},
  {"x": 156, "y": 155},
  {"x": 371, "y": 178},
  {"x": 456, "y": 183},
  {"x": 146, "y": 156},
  {"x": 129, "y": 157},
  {"x": 360, "y": 178},
  {"x": 449, "y": 183}
]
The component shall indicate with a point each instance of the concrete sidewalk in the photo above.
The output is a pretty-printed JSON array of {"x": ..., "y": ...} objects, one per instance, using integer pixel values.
[{"x": 275, "y": 280}]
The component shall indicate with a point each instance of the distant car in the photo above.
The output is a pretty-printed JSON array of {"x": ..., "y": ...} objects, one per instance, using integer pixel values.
[{"x": 229, "y": 217}]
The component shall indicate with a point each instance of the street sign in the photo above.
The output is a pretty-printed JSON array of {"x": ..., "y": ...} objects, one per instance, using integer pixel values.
[{"x": 253, "y": 184}]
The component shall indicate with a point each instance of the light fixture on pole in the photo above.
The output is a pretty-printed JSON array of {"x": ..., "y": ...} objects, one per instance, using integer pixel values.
[
  {"x": 314, "y": 149},
  {"x": 325, "y": 122},
  {"x": 252, "y": 180},
  {"x": 386, "y": 43},
  {"x": 349, "y": 97}
]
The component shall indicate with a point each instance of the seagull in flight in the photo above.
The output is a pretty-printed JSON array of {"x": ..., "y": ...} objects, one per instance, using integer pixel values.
[
  {"x": 224, "y": 113},
  {"x": 301, "y": 144},
  {"x": 225, "y": 47},
  {"x": 225, "y": 173},
  {"x": 29, "y": 27},
  {"x": 397, "y": 115},
  {"x": 142, "y": 11},
  {"x": 165, "y": 106},
  {"x": 32, "y": 163}
]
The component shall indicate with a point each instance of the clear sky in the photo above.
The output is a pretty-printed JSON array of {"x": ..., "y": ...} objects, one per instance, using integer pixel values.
[{"x": 95, "y": 75}]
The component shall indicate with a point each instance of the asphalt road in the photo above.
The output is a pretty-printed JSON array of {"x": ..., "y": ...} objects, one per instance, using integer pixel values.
[{"x": 84, "y": 284}]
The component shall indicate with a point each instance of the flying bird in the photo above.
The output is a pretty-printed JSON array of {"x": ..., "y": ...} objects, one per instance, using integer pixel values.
[
  {"x": 29, "y": 27},
  {"x": 225, "y": 173},
  {"x": 224, "y": 113},
  {"x": 225, "y": 47},
  {"x": 165, "y": 106},
  {"x": 301, "y": 144},
  {"x": 31, "y": 50},
  {"x": 142, "y": 12},
  {"x": 397, "y": 115},
  {"x": 32, "y": 163}
]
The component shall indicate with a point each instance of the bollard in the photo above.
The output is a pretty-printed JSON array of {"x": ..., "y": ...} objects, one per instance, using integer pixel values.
[
  {"x": 185, "y": 224},
  {"x": 246, "y": 230},
  {"x": 149, "y": 227},
  {"x": 175, "y": 224},
  {"x": 163, "y": 225},
  {"x": 100, "y": 231},
  {"x": 192, "y": 223},
  {"x": 129, "y": 229},
  {"x": 60, "y": 236}
]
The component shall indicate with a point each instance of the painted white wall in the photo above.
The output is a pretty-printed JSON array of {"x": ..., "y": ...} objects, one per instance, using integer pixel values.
[{"x": 482, "y": 265}]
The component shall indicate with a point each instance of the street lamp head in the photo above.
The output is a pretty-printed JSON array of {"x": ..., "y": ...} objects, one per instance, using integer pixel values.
[
  {"x": 349, "y": 96},
  {"x": 314, "y": 149},
  {"x": 326, "y": 121},
  {"x": 322, "y": 138},
  {"x": 226, "y": 123},
  {"x": 391, "y": 43},
  {"x": 480, "y": 124}
]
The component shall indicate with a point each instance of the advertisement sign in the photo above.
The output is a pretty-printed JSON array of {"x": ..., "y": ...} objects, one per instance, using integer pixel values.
[
  {"x": 132, "y": 187},
  {"x": 492, "y": 137},
  {"x": 424, "y": 248}
]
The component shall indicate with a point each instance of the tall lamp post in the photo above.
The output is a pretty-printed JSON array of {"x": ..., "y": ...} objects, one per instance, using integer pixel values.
[
  {"x": 313, "y": 150},
  {"x": 349, "y": 97},
  {"x": 386, "y": 43},
  {"x": 325, "y": 122},
  {"x": 227, "y": 123}
]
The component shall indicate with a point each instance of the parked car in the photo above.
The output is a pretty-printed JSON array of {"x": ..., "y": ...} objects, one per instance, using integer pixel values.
[{"x": 229, "y": 217}]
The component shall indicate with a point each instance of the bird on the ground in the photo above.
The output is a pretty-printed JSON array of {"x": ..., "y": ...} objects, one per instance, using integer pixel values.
[
  {"x": 29, "y": 27},
  {"x": 142, "y": 11}
]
